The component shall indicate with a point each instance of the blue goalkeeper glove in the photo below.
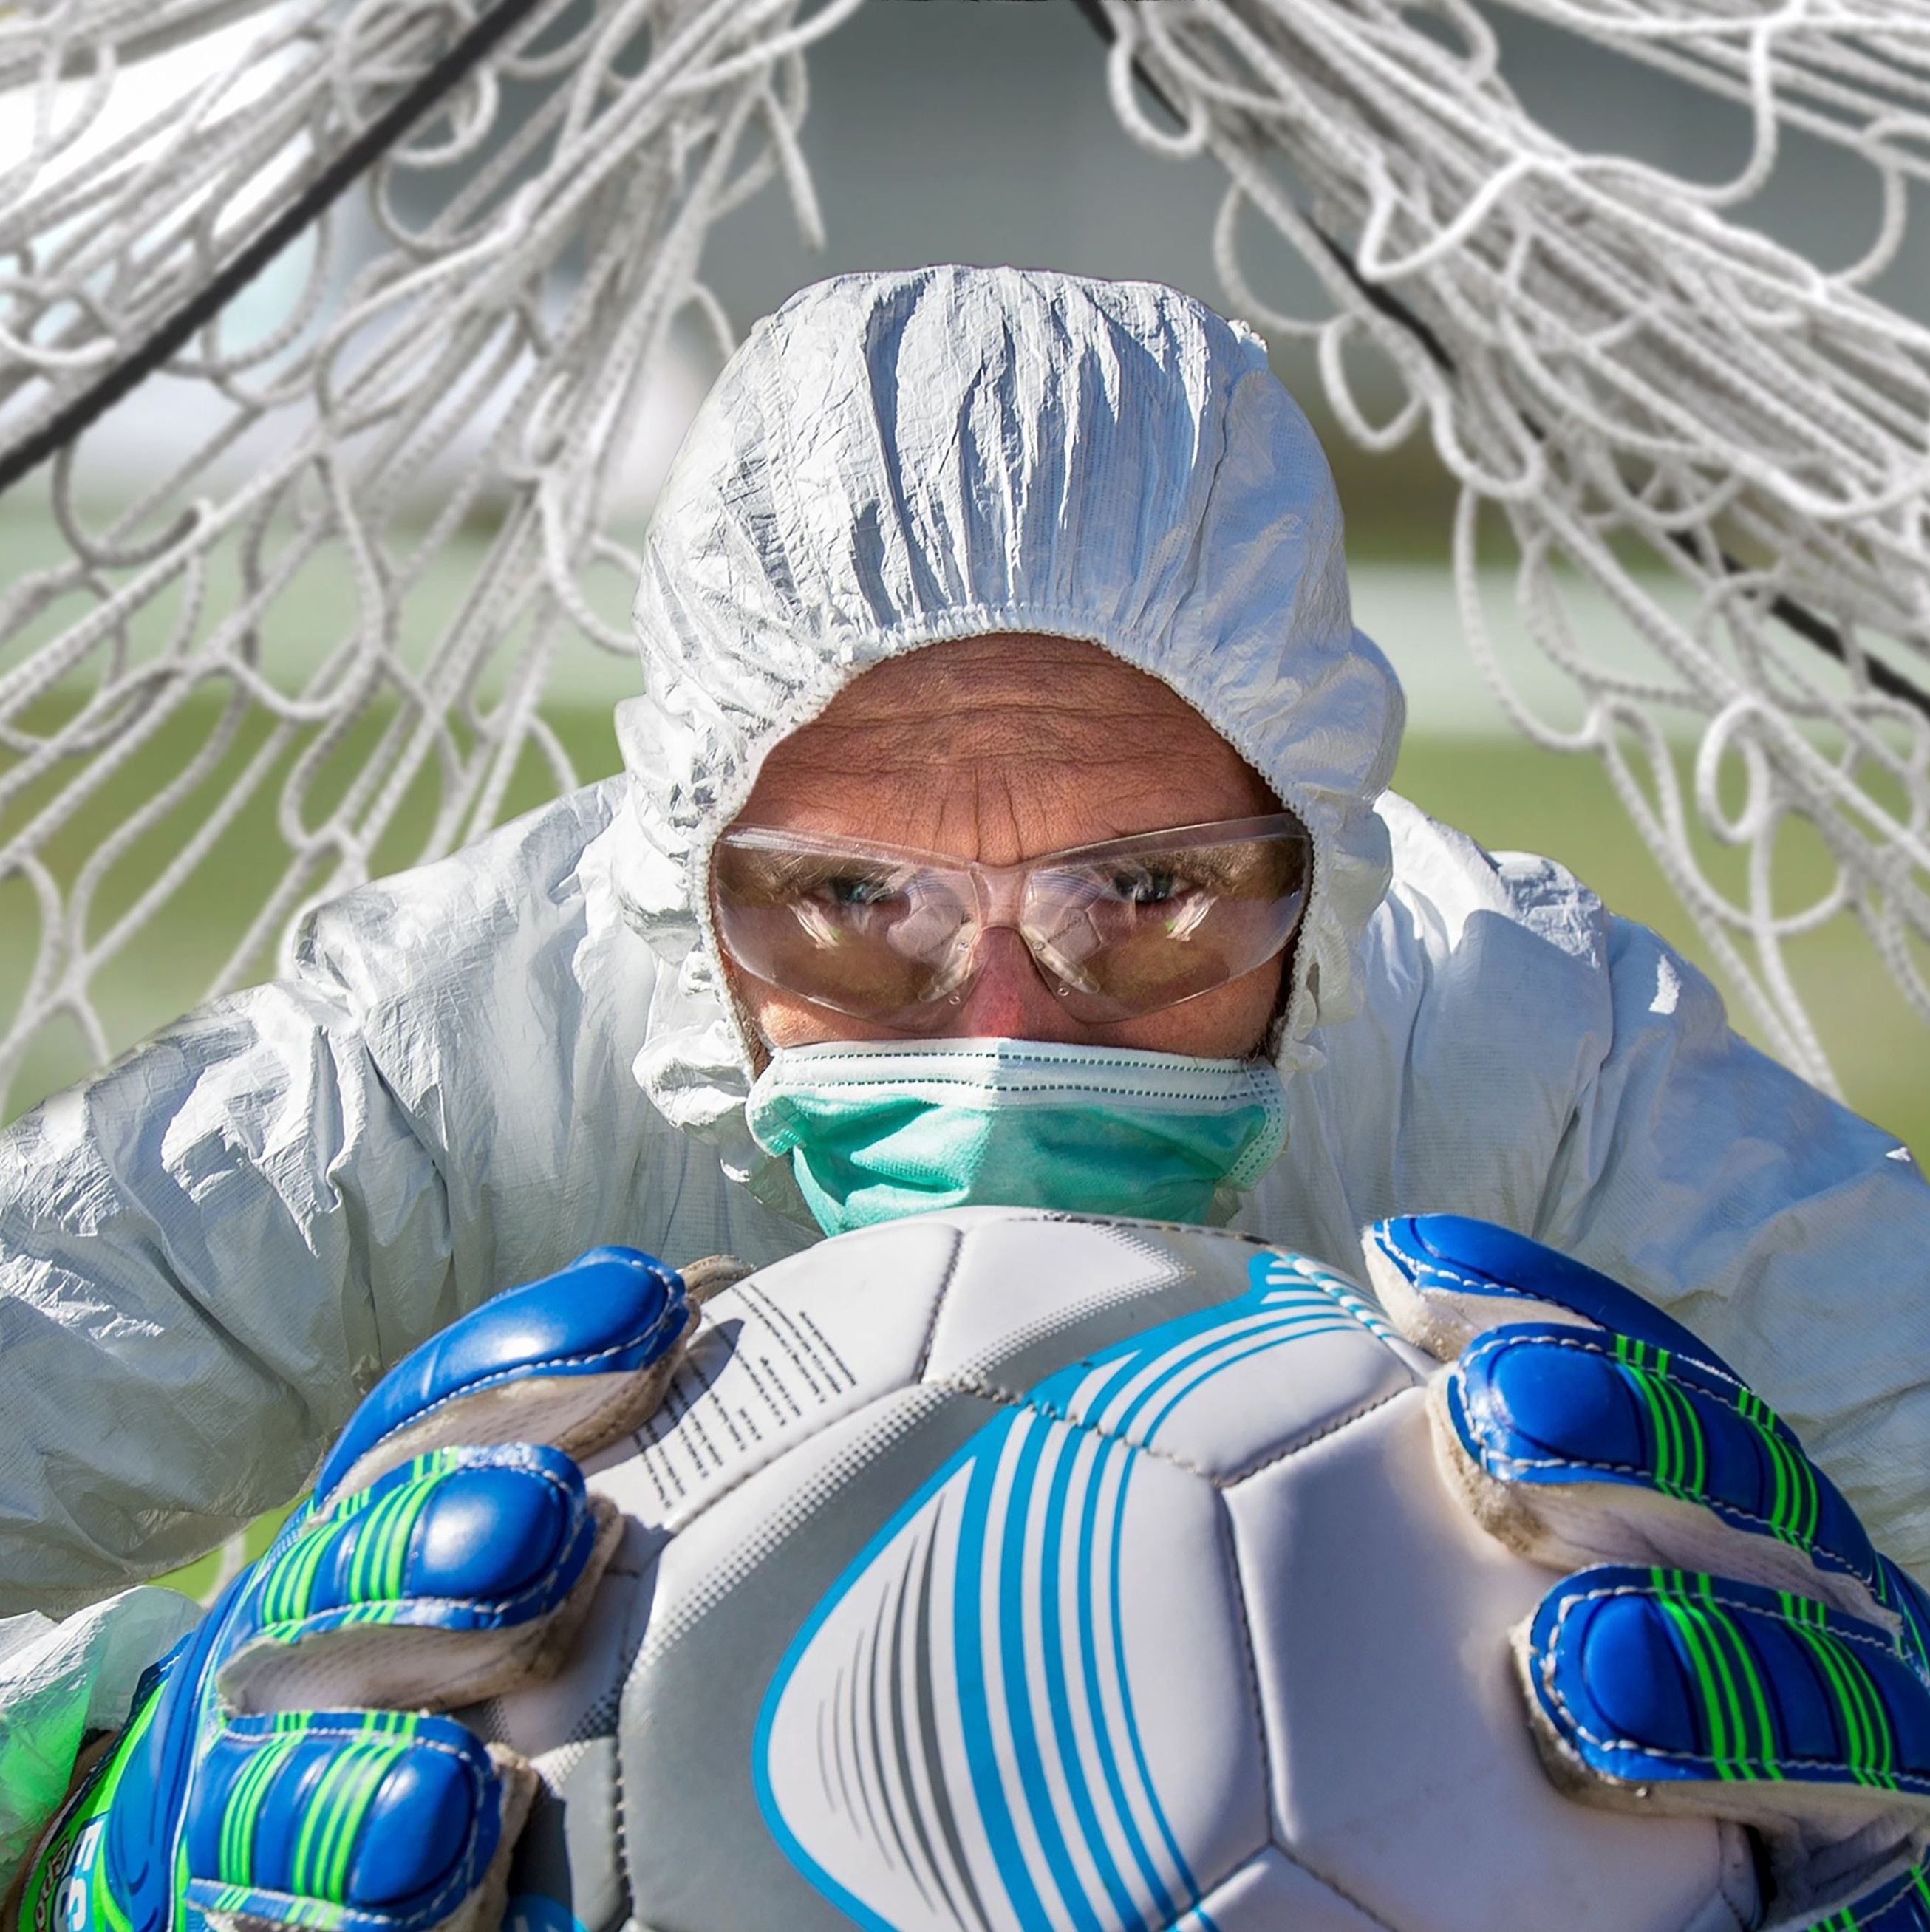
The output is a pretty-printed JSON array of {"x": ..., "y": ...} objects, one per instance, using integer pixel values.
[
  {"x": 1731, "y": 1644},
  {"x": 283, "y": 1763}
]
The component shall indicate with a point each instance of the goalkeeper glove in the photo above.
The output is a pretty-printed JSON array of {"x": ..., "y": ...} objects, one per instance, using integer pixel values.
[
  {"x": 285, "y": 1763},
  {"x": 1730, "y": 1645}
]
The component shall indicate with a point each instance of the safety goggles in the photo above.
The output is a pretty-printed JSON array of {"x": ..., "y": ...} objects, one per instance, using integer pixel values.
[{"x": 1117, "y": 930}]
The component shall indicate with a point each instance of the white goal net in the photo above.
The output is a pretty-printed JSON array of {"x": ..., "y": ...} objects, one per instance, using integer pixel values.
[
  {"x": 1621, "y": 376},
  {"x": 525, "y": 250},
  {"x": 484, "y": 217}
]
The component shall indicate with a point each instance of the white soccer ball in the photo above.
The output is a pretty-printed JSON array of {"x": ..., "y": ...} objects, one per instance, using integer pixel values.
[{"x": 1000, "y": 1569}]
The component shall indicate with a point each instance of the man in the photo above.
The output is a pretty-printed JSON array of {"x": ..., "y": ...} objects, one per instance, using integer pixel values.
[{"x": 958, "y": 570}]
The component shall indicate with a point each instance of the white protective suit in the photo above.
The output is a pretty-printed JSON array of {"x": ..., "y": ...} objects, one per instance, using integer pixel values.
[{"x": 489, "y": 1064}]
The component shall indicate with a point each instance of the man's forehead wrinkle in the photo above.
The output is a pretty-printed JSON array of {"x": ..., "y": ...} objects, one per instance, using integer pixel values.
[
  {"x": 1009, "y": 697},
  {"x": 1053, "y": 706},
  {"x": 960, "y": 719},
  {"x": 1125, "y": 757},
  {"x": 948, "y": 719},
  {"x": 996, "y": 828},
  {"x": 1001, "y": 748},
  {"x": 1023, "y": 662},
  {"x": 907, "y": 770}
]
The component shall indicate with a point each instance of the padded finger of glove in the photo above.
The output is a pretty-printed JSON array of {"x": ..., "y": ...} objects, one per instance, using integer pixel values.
[
  {"x": 353, "y": 1821},
  {"x": 453, "y": 1577},
  {"x": 1443, "y": 1280},
  {"x": 1578, "y": 1446},
  {"x": 577, "y": 1359},
  {"x": 1662, "y": 1691}
]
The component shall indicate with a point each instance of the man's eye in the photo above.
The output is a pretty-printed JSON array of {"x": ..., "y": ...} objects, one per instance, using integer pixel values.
[
  {"x": 855, "y": 891},
  {"x": 1148, "y": 887}
]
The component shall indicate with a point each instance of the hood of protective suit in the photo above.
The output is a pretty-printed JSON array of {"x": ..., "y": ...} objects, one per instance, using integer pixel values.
[{"x": 893, "y": 459}]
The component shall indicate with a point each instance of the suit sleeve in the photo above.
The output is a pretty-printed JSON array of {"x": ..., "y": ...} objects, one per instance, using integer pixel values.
[
  {"x": 210, "y": 1252},
  {"x": 205, "y": 1254},
  {"x": 1792, "y": 1235}
]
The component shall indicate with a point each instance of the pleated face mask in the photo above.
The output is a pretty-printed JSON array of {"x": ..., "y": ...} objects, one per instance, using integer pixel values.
[{"x": 876, "y": 1130}]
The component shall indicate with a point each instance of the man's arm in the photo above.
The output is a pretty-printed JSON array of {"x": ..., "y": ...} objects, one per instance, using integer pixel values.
[
  {"x": 1526, "y": 1057},
  {"x": 206, "y": 1254},
  {"x": 209, "y": 1252},
  {"x": 1792, "y": 1235}
]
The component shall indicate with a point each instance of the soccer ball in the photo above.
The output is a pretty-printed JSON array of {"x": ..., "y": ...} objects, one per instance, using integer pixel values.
[{"x": 1000, "y": 1569}]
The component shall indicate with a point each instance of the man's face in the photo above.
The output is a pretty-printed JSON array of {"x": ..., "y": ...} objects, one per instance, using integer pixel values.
[{"x": 1001, "y": 749}]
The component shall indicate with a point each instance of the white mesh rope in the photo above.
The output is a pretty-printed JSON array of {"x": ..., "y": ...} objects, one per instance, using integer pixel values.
[
  {"x": 530, "y": 301},
  {"x": 1607, "y": 359},
  {"x": 1666, "y": 409}
]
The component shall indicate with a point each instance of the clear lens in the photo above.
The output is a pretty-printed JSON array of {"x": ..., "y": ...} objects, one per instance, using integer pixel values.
[
  {"x": 860, "y": 934},
  {"x": 1146, "y": 928},
  {"x": 1120, "y": 929}
]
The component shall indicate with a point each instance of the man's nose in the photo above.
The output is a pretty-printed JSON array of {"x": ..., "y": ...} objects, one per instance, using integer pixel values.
[{"x": 1010, "y": 999}]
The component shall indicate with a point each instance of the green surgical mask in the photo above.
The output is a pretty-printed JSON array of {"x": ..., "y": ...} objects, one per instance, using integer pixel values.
[{"x": 878, "y": 1129}]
